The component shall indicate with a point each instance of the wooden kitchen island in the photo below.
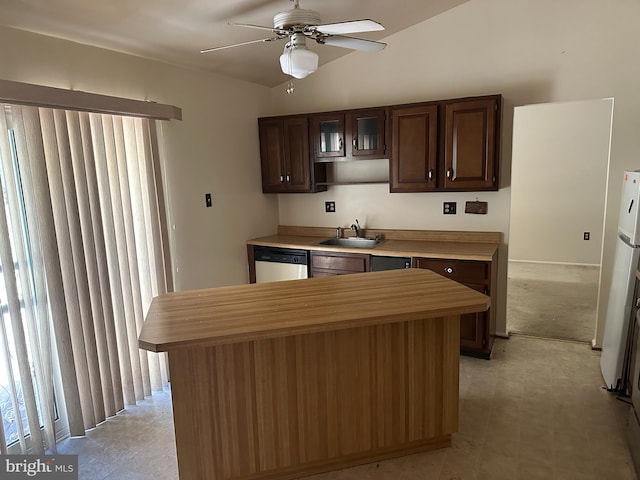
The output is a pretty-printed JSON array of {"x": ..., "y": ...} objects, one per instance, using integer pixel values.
[{"x": 286, "y": 379}]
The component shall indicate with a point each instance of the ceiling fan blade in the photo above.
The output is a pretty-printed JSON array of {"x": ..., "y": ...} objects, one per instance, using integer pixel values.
[
  {"x": 245, "y": 7},
  {"x": 214, "y": 49},
  {"x": 353, "y": 43},
  {"x": 353, "y": 26},
  {"x": 260, "y": 27}
]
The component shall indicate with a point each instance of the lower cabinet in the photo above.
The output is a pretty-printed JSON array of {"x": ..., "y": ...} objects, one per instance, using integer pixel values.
[
  {"x": 477, "y": 330},
  {"x": 324, "y": 264}
]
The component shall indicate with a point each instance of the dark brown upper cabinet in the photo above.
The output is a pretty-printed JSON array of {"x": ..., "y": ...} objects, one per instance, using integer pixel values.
[
  {"x": 414, "y": 141},
  {"x": 471, "y": 144},
  {"x": 348, "y": 135},
  {"x": 449, "y": 145},
  {"x": 284, "y": 154},
  {"x": 437, "y": 146}
]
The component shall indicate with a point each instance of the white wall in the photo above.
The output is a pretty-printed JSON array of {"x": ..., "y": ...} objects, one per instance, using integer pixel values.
[
  {"x": 559, "y": 168},
  {"x": 213, "y": 149},
  {"x": 531, "y": 51}
]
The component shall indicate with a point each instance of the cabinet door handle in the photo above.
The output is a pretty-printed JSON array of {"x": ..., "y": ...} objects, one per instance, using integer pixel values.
[
  {"x": 450, "y": 174},
  {"x": 288, "y": 178},
  {"x": 430, "y": 174},
  {"x": 449, "y": 270},
  {"x": 340, "y": 144},
  {"x": 355, "y": 143},
  {"x": 281, "y": 178}
]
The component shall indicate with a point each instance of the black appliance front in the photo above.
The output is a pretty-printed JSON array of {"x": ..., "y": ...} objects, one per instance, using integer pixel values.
[{"x": 380, "y": 263}]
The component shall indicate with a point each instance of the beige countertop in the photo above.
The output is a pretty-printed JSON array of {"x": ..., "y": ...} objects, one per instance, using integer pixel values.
[{"x": 479, "y": 246}]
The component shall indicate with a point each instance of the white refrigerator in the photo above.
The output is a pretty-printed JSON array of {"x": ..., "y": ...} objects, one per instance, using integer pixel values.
[{"x": 625, "y": 263}]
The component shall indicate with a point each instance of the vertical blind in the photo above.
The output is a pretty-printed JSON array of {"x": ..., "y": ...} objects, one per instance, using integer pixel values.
[{"x": 81, "y": 257}]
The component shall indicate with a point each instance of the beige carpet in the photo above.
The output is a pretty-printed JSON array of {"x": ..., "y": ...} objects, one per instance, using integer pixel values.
[{"x": 552, "y": 301}]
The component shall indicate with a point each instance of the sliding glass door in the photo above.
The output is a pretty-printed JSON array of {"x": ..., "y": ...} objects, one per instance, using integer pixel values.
[{"x": 81, "y": 256}]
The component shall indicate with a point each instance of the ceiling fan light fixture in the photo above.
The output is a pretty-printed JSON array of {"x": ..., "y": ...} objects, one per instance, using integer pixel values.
[
  {"x": 296, "y": 59},
  {"x": 296, "y": 25}
]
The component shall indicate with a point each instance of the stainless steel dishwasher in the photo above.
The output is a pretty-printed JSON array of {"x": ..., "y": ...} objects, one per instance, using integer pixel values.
[{"x": 274, "y": 264}]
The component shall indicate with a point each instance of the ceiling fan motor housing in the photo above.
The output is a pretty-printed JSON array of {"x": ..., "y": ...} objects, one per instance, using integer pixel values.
[{"x": 296, "y": 17}]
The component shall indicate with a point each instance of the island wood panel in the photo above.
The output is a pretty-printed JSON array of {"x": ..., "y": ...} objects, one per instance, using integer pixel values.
[{"x": 284, "y": 407}]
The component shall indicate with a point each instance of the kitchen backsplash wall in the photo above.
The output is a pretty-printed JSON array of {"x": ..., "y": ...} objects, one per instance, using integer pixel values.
[{"x": 373, "y": 206}]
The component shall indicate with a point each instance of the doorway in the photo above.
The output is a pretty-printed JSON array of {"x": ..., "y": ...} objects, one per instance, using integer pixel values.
[{"x": 559, "y": 176}]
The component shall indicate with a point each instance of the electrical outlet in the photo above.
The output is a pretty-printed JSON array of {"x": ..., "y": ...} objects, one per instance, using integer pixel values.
[
  {"x": 207, "y": 200},
  {"x": 449, "y": 208},
  {"x": 330, "y": 207},
  {"x": 587, "y": 235}
]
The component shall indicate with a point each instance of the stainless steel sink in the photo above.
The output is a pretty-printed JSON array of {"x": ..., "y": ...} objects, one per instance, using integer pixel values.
[{"x": 351, "y": 242}]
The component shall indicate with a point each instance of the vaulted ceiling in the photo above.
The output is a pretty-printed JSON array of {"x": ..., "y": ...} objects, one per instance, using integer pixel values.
[{"x": 174, "y": 31}]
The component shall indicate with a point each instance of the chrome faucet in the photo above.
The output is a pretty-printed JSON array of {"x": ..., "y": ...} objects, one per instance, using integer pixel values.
[{"x": 356, "y": 228}]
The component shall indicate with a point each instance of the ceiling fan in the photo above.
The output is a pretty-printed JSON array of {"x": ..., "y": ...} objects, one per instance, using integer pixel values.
[{"x": 298, "y": 24}]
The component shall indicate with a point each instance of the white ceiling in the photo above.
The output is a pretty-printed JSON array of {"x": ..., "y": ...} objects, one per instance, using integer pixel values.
[{"x": 175, "y": 31}]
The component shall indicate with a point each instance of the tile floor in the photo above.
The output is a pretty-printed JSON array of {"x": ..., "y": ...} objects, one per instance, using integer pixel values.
[{"x": 536, "y": 410}]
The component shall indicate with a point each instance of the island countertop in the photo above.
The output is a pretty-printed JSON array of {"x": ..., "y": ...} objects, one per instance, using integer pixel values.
[{"x": 242, "y": 313}]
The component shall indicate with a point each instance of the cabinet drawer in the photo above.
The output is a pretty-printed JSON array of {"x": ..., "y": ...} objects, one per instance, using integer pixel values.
[
  {"x": 459, "y": 270},
  {"x": 316, "y": 273},
  {"x": 344, "y": 262}
]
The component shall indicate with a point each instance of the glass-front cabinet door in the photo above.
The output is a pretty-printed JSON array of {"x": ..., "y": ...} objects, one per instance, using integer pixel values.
[
  {"x": 348, "y": 135},
  {"x": 331, "y": 140},
  {"x": 327, "y": 131},
  {"x": 367, "y": 131}
]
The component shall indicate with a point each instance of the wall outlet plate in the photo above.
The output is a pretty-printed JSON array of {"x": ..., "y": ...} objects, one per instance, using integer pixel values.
[
  {"x": 330, "y": 207},
  {"x": 449, "y": 208}
]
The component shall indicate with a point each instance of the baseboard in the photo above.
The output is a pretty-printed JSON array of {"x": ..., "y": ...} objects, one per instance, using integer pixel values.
[
  {"x": 550, "y": 339},
  {"x": 540, "y": 262},
  {"x": 595, "y": 346}
]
